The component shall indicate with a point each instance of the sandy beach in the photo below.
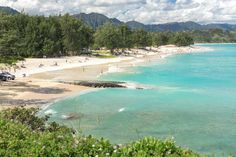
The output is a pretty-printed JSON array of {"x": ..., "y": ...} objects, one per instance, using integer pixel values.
[{"x": 40, "y": 85}]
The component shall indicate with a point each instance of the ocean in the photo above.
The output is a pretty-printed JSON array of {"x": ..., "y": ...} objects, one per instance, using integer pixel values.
[{"x": 192, "y": 99}]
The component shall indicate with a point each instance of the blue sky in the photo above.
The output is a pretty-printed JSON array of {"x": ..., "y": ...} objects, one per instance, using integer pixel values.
[
  {"x": 146, "y": 11},
  {"x": 172, "y": 1}
]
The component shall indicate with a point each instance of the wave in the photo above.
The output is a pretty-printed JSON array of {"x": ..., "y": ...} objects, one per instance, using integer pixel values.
[
  {"x": 179, "y": 89},
  {"x": 121, "y": 109},
  {"x": 64, "y": 116},
  {"x": 114, "y": 69},
  {"x": 132, "y": 85},
  {"x": 50, "y": 112}
]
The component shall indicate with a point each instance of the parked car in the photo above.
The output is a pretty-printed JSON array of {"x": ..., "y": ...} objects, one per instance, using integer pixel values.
[
  {"x": 8, "y": 76},
  {"x": 2, "y": 77}
]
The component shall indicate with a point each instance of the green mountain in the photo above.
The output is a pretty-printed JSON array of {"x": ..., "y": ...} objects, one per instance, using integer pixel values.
[
  {"x": 8, "y": 10},
  {"x": 136, "y": 25},
  {"x": 95, "y": 20},
  {"x": 222, "y": 26}
]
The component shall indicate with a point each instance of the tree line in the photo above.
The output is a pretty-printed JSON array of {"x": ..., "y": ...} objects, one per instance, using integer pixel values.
[
  {"x": 37, "y": 36},
  {"x": 213, "y": 36},
  {"x": 122, "y": 37}
]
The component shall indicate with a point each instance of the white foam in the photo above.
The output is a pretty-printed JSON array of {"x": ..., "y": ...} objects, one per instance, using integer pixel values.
[
  {"x": 179, "y": 89},
  {"x": 121, "y": 109},
  {"x": 131, "y": 85},
  {"x": 65, "y": 116},
  {"x": 50, "y": 111},
  {"x": 44, "y": 107},
  {"x": 114, "y": 69}
]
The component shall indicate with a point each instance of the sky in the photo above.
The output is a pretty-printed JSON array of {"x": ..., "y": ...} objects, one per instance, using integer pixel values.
[{"x": 145, "y": 11}]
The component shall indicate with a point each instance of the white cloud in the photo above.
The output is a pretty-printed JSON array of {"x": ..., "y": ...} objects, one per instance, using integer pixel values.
[{"x": 146, "y": 11}]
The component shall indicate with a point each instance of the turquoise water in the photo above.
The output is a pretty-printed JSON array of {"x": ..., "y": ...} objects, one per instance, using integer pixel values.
[{"x": 193, "y": 100}]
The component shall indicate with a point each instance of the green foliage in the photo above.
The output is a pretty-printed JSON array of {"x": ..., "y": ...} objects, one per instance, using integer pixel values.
[
  {"x": 182, "y": 39},
  {"x": 10, "y": 60},
  {"x": 213, "y": 36},
  {"x": 28, "y": 117},
  {"x": 8, "y": 43},
  {"x": 108, "y": 36},
  {"x": 141, "y": 38},
  {"x": 159, "y": 39},
  {"x": 37, "y": 36},
  {"x": 103, "y": 54},
  {"x": 126, "y": 37},
  {"x": 162, "y": 38},
  {"x": 153, "y": 147},
  {"x": 24, "y": 134},
  {"x": 76, "y": 35}
]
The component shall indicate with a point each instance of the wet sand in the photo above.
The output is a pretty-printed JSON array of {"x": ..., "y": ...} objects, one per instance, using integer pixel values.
[{"x": 33, "y": 92}]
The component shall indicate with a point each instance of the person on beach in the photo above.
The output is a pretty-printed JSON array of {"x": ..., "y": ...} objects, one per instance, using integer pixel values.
[
  {"x": 41, "y": 65},
  {"x": 23, "y": 66}
]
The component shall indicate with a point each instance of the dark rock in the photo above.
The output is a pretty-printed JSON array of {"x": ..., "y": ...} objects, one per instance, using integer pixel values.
[{"x": 97, "y": 84}]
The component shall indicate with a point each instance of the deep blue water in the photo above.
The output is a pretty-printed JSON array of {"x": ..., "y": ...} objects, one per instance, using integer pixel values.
[{"x": 193, "y": 100}]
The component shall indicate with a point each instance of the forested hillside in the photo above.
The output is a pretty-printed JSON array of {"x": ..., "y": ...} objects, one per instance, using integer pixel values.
[
  {"x": 37, "y": 36},
  {"x": 96, "y": 20},
  {"x": 8, "y": 10},
  {"x": 213, "y": 36}
]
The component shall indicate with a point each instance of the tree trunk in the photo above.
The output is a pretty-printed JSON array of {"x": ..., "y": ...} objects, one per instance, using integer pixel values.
[{"x": 112, "y": 51}]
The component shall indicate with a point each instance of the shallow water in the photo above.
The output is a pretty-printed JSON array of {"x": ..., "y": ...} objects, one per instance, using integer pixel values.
[{"x": 194, "y": 101}]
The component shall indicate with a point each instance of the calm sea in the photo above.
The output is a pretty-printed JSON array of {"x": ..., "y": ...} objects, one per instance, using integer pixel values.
[{"x": 193, "y": 99}]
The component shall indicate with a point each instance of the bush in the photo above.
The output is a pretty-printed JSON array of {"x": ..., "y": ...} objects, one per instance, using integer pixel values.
[
  {"x": 10, "y": 60},
  {"x": 24, "y": 134},
  {"x": 154, "y": 147}
]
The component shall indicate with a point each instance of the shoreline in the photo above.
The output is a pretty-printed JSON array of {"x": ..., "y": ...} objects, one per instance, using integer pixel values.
[
  {"x": 41, "y": 88},
  {"x": 213, "y": 43}
]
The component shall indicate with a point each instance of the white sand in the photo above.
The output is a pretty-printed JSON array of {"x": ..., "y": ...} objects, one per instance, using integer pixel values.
[
  {"x": 135, "y": 55},
  {"x": 32, "y": 66}
]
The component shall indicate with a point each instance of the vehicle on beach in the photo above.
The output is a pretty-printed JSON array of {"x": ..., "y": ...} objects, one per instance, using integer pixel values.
[{"x": 4, "y": 76}]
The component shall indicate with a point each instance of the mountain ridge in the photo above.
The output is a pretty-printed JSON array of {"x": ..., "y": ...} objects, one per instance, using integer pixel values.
[
  {"x": 8, "y": 10},
  {"x": 96, "y": 20}
]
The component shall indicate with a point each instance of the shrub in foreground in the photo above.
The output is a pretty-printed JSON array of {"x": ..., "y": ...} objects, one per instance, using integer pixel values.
[{"x": 24, "y": 134}]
